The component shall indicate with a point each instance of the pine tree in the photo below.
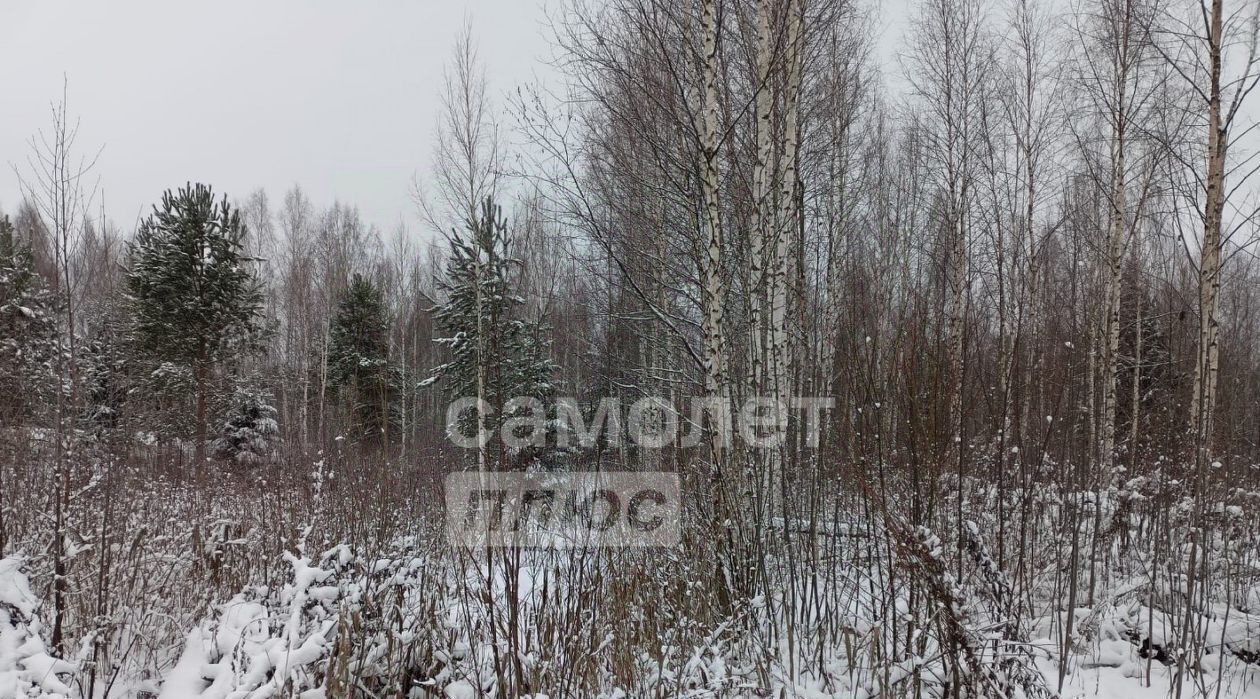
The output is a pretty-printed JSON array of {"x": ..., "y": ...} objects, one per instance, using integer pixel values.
[
  {"x": 495, "y": 354},
  {"x": 194, "y": 300},
  {"x": 28, "y": 333},
  {"x": 359, "y": 366}
]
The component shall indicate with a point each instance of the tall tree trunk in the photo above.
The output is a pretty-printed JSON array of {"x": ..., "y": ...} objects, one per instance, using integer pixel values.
[
  {"x": 713, "y": 302},
  {"x": 203, "y": 381},
  {"x": 1207, "y": 365},
  {"x": 955, "y": 317},
  {"x": 762, "y": 207},
  {"x": 481, "y": 366},
  {"x": 786, "y": 219},
  {"x": 1117, "y": 205},
  {"x": 1136, "y": 396},
  {"x": 714, "y": 297}
]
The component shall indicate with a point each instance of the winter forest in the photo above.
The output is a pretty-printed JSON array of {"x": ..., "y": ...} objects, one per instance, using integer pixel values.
[{"x": 994, "y": 303}]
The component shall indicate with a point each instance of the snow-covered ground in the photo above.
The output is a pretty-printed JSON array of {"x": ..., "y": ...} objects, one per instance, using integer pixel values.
[
  {"x": 420, "y": 622},
  {"x": 246, "y": 599}
]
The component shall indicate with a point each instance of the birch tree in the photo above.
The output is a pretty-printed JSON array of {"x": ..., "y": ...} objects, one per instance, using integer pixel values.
[
  {"x": 1119, "y": 84},
  {"x": 467, "y": 156},
  {"x": 948, "y": 71},
  {"x": 57, "y": 188},
  {"x": 1214, "y": 50}
]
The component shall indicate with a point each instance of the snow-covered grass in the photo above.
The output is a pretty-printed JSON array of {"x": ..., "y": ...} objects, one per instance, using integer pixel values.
[
  {"x": 341, "y": 583},
  {"x": 26, "y": 667}
]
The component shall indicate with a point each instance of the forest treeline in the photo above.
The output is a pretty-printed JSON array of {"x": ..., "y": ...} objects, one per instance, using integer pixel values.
[{"x": 1038, "y": 252}]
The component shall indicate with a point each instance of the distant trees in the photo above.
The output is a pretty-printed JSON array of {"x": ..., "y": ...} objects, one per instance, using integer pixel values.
[
  {"x": 194, "y": 299},
  {"x": 734, "y": 206},
  {"x": 951, "y": 67}
]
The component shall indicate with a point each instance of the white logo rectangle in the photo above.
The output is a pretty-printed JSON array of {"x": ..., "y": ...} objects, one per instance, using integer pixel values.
[{"x": 563, "y": 510}]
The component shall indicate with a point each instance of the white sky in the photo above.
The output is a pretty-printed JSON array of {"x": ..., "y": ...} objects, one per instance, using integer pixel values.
[{"x": 339, "y": 96}]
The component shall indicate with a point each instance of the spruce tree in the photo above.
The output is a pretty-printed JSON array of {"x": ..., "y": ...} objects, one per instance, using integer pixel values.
[
  {"x": 359, "y": 368},
  {"x": 194, "y": 299},
  {"x": 250, "y": 434},
  {"x": 495, "y": 354}
]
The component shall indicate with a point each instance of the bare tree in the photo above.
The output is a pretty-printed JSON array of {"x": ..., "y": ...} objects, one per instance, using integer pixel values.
[
  {"x": 467, "y": 155},
  {"x": 949, "y": 69},
  {"x": 56, "y": 183}
]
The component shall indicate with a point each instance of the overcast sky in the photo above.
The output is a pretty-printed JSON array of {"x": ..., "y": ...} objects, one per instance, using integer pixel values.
[{"x": 336, "y": 95}]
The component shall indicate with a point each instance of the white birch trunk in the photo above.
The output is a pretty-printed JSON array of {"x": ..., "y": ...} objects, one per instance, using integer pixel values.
[
  {"x": 762, "y": 215},
  {"x": 786, "y": 223},
  {"x": 714, "y": 285},
  {"x": 1208, "y": 363},
  {"x": 1117, "y": 205}
]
